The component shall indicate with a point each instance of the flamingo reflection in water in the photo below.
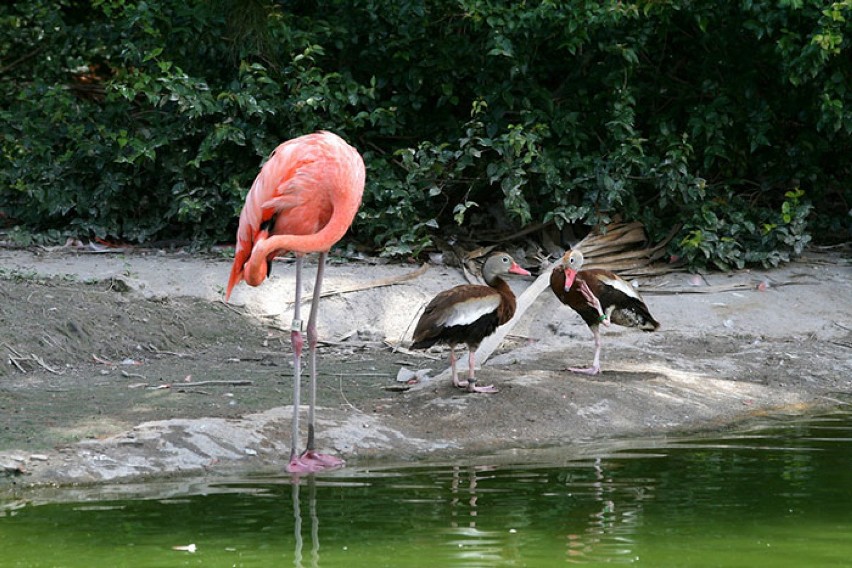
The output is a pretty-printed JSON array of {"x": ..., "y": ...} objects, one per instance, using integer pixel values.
[{"x": 296, "y": 485}]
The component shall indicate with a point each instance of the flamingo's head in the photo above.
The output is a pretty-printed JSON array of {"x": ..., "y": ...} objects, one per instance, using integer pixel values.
[{"x": 259, "y": 264}]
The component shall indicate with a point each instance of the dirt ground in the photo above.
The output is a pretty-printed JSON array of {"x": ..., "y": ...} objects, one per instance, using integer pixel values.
[{"x": 125, "y": 365}]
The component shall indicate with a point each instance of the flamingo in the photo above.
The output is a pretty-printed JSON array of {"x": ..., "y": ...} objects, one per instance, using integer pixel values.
[
  {"x": 303, "y": 201},
  {"x": 599, "y": 296},
  {"x": 468, "y": 314}
]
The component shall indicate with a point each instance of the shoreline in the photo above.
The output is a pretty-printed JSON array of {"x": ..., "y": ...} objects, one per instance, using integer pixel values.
[{"x": 729, "y": 350}]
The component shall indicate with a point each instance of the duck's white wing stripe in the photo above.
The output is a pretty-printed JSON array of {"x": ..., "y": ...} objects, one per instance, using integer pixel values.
[
  {"x": 469, "y": 311},
  {"x": 621, "y": 286}
]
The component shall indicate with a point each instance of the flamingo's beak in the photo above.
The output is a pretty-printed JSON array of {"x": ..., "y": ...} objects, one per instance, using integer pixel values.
[
  {"x": 570, "y": 275},
  {"x": 516, "y": 269}
]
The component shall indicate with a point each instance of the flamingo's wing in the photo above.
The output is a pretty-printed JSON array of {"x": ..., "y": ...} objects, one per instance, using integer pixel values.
[
  {"x": 272, "y": 192},
  {"x": 309, "y": 187}
]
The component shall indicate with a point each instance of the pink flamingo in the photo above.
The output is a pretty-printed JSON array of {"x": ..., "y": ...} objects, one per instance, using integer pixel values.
[{"x": 303, "y": 201}]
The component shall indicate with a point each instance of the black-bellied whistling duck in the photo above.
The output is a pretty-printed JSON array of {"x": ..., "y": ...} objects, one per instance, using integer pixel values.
[
  {"x": 614, "y": 300},
  {"x": 468, "y": 314}
]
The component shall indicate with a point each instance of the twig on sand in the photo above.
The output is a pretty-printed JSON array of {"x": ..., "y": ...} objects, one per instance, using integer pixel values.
[
  {"x": 44, "y": 365},
  {"x": 343, "y": 395},
  {"x": 236, "y": 383},
  {"x": 10, "y": 348},
  {"x": 14, "y": 361},
  {"x": 422, "y": 354},
  {"x": 718, "y": 288},
  {"x": 153, "y": 348},
  {"x": 379, "y": 283},
  {"x": 237, "y": 310},
  {"x": 133, "y": 375},
  {"x": 181, "y": 386},
  {"x": 16, "y": 358}
]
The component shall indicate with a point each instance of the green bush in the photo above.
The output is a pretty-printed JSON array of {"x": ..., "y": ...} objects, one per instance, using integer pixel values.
[{"x": 146, "y": 120}]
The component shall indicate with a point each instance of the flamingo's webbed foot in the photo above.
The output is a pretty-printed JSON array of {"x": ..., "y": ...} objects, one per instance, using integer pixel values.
[{"x": 311, "y": 462}]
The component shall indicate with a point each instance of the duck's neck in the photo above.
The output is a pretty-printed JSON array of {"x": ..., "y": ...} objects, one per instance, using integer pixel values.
[
  {"x": 507, "y": 303},
  {"x": 497, "y": 283}
]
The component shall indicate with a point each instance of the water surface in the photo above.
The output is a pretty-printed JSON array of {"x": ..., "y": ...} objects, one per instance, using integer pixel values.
[{"x": 778, "y": 494}]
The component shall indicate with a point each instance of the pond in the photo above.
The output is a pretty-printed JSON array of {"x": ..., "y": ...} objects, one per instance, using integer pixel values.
[{"x": 775, "y": 494}]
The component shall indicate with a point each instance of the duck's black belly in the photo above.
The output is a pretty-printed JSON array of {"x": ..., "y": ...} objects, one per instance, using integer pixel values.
[{"x": 471, "y": 334}]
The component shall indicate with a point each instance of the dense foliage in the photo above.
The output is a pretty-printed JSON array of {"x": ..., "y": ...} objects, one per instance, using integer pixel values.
[{"x": 140, "y": 120}]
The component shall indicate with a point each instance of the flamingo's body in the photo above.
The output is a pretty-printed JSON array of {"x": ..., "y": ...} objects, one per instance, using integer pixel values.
[
  {"x": 599, "y": 296},
  {"x": 303, "y": 201},
  {"x": 468, "y": 314}
]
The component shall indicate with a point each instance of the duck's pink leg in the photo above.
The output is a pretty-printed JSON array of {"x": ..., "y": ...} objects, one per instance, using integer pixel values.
[
  {"x": 596, "y": 364},
  {"x": 471, "y": 380},
  {"x": 456, "y": 382}
]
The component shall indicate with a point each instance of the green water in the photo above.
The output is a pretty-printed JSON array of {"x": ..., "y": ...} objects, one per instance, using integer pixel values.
[{"x": 776, "y": 495}]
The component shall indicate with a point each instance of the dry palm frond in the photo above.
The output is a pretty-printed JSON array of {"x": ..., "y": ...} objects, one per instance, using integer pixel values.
[{"x": 623, "y": 248}]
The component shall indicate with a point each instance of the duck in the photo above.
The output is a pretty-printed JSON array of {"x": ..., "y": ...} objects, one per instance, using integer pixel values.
[
  {"x": 600, "y": 297},
  {"x": 469, "y": 313}
]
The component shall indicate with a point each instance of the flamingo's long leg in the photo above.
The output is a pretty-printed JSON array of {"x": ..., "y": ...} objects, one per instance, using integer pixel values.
[
  {"x": 311, "y": 460},
  {"x": 312, "y": 351},
  {"x": 298, "y": 343}
]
